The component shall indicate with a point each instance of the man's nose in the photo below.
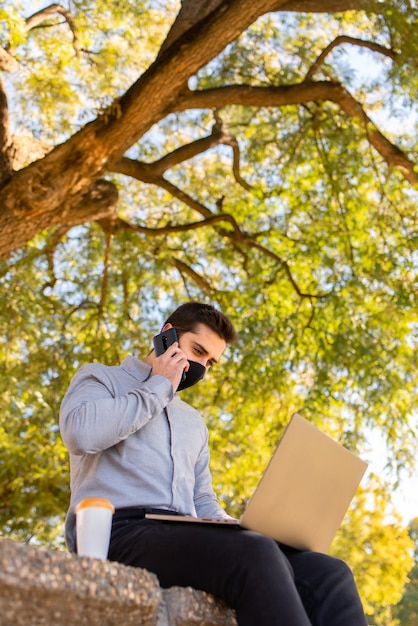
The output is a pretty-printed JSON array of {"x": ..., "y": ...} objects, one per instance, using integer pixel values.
[{"x": 203, "y": 360}]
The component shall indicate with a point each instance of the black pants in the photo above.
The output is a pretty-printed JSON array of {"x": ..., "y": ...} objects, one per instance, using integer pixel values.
[{"x": 266, "y": 584}]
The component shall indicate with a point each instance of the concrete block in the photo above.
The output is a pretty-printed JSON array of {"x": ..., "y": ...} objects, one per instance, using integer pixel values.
[{"x": 42, "y": 587}]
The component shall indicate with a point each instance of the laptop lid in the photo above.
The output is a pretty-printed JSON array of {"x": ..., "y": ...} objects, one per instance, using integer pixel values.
[{"x": 305, "y": 490}]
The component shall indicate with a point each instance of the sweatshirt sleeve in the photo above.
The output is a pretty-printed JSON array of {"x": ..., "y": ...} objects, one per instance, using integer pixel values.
[{"x": 93, "y": 417}]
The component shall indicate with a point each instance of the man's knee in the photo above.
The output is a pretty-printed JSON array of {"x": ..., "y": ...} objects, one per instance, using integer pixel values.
[
  {"x": 261, "y": 553},
  {"x": 337, "y": 568}
]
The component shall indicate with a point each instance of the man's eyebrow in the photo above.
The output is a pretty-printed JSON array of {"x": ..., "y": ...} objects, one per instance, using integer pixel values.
[{"x": 205, "y": 352}]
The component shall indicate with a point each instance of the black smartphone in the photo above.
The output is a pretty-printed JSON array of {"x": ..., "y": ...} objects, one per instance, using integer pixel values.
[{"x": 164, "y": 340}]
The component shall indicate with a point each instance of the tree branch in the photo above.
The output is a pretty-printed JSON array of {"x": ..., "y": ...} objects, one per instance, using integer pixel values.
[
  {"x": 284, "y": 264},
  {"x": 230, "y": 140},
  {"x": 236, "y": 235},
  {"x": 338, "y": 41},
  {"x": 303, "y": 93},
  {"x": 98, "y": 202},
  {"x": 152, "y": 172},
  {"x": 27, "y": 149},
  {"x": 7, "y": 61},
  {"x": 35, "y": 20},
  {"x": 144, "y": 173},
  {"x": 87, "y": 154},
  {"x": 47, "y": 191},
  {"x": 188, "y": 151},
  {"x": 72, "y": 166},
  {"x": 328, "y": 6},
  {"x": 191, "y": 12},
  {"x": 6, "y": 156},
  {"x": 105, "y": 279},
  {"x": 183, "y": 268}
]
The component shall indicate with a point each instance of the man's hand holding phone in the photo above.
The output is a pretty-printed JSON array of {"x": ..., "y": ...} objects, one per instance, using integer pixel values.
[{"x": 170, "y": 360}]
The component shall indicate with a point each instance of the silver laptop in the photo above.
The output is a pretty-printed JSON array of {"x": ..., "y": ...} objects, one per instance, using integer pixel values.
[{"x": 304, "y": 493}]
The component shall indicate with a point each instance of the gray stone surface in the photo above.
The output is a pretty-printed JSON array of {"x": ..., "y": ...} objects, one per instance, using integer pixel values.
[
  {"x": 41, "y": 587},
  {"x": 188, "y": 607}
]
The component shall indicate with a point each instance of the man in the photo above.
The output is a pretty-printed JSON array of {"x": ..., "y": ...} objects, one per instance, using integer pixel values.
[{"x": 134, "y": 441}]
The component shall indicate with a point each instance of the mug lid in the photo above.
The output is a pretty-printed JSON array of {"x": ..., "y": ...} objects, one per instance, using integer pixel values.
[{"x": 95, "y": 502}]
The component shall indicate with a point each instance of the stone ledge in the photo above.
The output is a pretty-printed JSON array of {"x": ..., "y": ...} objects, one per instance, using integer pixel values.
[{"x": 40, "y": 587}]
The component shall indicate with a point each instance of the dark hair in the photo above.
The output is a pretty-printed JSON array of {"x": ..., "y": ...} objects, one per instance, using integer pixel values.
[{"x": 187, "y": 316}]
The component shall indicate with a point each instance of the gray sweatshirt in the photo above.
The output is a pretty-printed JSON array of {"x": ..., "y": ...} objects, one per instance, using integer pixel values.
[{"x": 135, "y": 442}]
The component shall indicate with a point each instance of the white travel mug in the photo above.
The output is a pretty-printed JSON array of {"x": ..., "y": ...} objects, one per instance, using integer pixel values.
[{"x": 93, "y": 527}]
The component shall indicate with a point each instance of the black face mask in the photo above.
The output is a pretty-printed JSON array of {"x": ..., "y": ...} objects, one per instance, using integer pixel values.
[{"x": 195, "y": 373}]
